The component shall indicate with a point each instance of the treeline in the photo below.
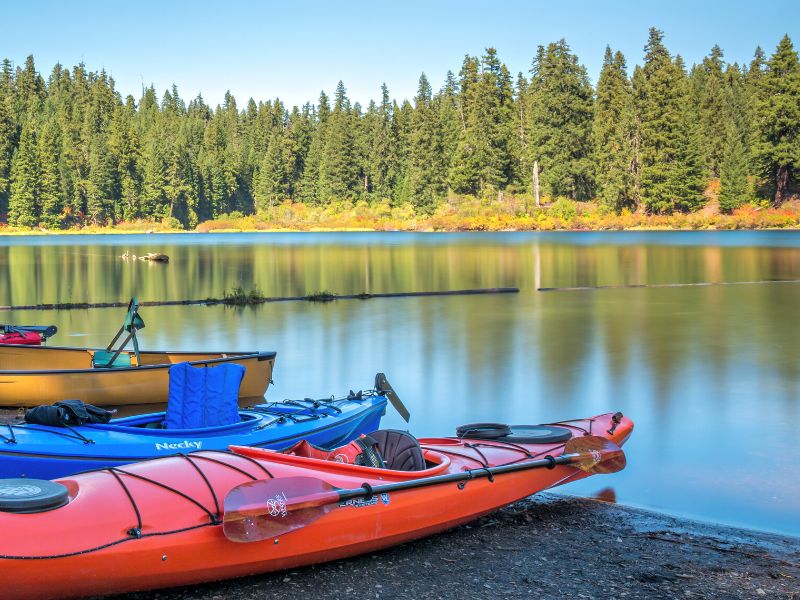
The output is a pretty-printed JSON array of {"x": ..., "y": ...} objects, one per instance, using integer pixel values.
[{"x": 73, "y": 151}]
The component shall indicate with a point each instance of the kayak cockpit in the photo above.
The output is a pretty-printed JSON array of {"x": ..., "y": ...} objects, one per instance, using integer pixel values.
[
  {"x": 435, "y": 464},
  {"x": 154, "y": 424}
]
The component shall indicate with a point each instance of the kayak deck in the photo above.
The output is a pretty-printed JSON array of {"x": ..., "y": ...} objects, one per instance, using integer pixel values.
[{"x": 44, "y": 452}]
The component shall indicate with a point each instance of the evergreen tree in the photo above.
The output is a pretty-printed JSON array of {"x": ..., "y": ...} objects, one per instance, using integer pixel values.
[
  {"x": 560, "y": 122},
  {"x": 310, "y": 184},
  {"x": 23, "y": 210},
  {"x": 482, "y": 157},
  {"x": 272, "y": 179},
  {"x": 427, "y": 169},
  {"x": 708, "y": 93},
  {"x": 778, "y": 150},
  {"x": 338, "y": 169},
  {"x": 100, "y": 185},
  {"x": 612, "y": 132},
  {"x": 51, "y": 189},
  {"x": 668, "y": 143},
  {"x": 153, "y": 198},
  {"x": 8, "y": 141},
  {"x": 382, "y": 148},
  {"x": 734, "y": 187}
]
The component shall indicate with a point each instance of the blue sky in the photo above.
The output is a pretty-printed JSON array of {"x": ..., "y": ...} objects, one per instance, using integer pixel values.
[{"x": 294, "y": 49}]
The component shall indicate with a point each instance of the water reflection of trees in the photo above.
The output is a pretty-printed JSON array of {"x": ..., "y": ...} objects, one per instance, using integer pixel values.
[{"x": 538, "y": 343}]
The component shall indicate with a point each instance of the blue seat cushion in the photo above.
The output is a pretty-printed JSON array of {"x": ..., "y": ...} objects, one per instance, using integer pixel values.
[{"x": 203, "y": 396}]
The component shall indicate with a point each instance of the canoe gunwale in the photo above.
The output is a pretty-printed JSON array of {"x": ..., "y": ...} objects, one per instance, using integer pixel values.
[{"x": 226, "y": 357}]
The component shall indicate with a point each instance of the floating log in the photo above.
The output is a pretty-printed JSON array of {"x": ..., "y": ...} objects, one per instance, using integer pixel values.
[
  {"x": 151, "y": 256},
  {"x": 318, "y": 297},
  {"x": 155, "y": 257},
  {"x": 589, "y": 288}
]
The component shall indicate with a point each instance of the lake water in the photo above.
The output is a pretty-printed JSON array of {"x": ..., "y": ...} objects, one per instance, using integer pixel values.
[{"x": 711, "y": 375}]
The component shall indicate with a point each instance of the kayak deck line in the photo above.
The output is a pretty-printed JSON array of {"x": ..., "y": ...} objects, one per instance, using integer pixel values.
[
  {"x": 625, "y": 286},
  {"x": 309, "y": 298}
]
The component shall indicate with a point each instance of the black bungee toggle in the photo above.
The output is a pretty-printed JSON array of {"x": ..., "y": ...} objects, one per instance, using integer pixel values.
[
  {"x": 616, "y": 419},
  {"x": 551, "y": 462}
]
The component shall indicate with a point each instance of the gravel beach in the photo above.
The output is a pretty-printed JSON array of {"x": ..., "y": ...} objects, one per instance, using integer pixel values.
[{"x": 547, "y": 546}]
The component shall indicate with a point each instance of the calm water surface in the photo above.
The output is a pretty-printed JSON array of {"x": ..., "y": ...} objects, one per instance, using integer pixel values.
[{"x": 711, "y": 375}]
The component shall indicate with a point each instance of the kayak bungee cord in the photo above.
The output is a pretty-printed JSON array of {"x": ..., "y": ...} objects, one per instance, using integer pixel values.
[
  {"x": 30, "y": 426},
  {"x": 310, "y": 404},
  {"x": 12, "y": 439},
  {"x": 135, "y": 533},
  {"x": 512, "y": 446}
]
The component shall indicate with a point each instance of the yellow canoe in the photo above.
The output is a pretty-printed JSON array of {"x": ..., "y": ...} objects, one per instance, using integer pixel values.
[{"x": 33, "y": 375}]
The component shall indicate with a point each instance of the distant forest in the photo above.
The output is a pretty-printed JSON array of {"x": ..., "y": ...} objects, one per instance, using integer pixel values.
[{"x": 73, "y": 151}]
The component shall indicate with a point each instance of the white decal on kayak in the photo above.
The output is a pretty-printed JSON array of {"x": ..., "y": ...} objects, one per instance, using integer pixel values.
[
  {"x": 184, "y": 445},
  {"x": 277, "y": 505},
  {"x": 361, "y": 502}
]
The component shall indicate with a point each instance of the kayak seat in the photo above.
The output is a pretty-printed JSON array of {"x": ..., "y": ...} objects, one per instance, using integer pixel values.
[
  {"x": 203, "y": 396},
  {"x": 102, "y": 359},
  {"x": 399, "y": 449}
]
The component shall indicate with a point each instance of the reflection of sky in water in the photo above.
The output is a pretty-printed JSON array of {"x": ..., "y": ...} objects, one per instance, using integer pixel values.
[{"x": 710, "y": 375}]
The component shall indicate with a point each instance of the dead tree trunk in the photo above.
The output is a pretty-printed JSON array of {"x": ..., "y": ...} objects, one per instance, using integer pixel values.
[
  {"x": 781, "y": 185},
  {"x": 536, "y": 181}
]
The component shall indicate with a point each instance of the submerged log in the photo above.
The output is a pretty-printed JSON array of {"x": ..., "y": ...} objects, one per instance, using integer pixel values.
[
  {"x": 588, "y": 288},
  {"x": 318, "y": 297}
]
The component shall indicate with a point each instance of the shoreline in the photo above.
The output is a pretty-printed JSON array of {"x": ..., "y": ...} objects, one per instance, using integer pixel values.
[
  {"x": 546, "y": 546},
  {"x": 112, "y": 231}
]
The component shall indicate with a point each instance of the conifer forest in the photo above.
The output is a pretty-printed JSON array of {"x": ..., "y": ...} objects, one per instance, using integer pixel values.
[{"x": 651, "y": 137}]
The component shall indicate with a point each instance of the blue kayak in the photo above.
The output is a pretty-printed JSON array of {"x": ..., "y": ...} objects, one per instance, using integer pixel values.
[{"x": 44, "y": 452}]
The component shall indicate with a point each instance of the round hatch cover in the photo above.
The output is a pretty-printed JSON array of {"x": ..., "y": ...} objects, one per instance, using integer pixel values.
[
  {"x": 536, "y": 434},
  {"x": 31, "y": 495},
  {"x": 483, "y": 431}
]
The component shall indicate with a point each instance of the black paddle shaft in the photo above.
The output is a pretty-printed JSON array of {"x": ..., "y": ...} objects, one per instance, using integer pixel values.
[{"x": 370, "y": 490}]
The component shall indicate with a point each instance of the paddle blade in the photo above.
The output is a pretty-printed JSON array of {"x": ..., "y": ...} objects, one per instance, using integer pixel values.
[
  {"x": 596, "y": 454},
  {"x": 267, "y": 508},
  {"x": 382, "y": 385}
]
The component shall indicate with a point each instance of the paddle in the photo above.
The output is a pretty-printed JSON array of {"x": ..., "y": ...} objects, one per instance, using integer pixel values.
[
  {"x": 382, "y": 385},
  {"x": 267, "y": 508},
  {"x": 45, "y": 331}
]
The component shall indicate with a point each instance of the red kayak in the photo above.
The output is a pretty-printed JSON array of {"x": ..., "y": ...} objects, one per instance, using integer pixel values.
[{"x": 213, "y": 515}]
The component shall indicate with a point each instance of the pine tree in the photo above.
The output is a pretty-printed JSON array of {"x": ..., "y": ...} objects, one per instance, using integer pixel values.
[
  {"x": 670, "y": 176},
  {"x": 482, "y": 158},
  {"x": 612, "y": 133},
  {"x": 734, "y": 187},
  {"x": 310, "y": 184},
  {"x": 153, "y": 198},
  {"x": 8, "y": 135},
  {"x": 100, "y": 186},
  {"x": 560, "y": 122},
  {"x": 51, "y": 188},
  {"x": 778, "y": 150},
  {"x": 708, "y": 93},
  {"x": 272, "y": 179},
  {"x": 382, "y": 149},
  {"x": 23, "y": 209},
  {"x": 427, "y": 168},
  {"x": 338, "y": 169}
]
